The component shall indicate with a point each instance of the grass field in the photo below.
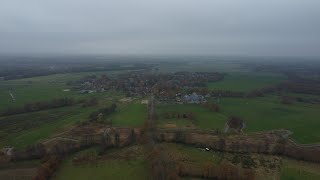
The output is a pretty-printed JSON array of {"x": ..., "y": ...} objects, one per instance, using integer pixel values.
[
  {"x": 114, "y": 167},
  {"x": 267, "y": 113},
  {"x": 297, "y": 174},
  {"x": 296, "y": 170},
  {"x": 205, "y": 119},
  {"x": 192, "y": 154},
  {"x": 24, "y": 129},
  {"x": 246, "y": 81},
  {"x": 212, "y": 65},
  {"x": 133, "y": 115}
]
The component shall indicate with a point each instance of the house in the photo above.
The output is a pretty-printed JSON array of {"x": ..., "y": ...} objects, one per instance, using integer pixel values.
[{"x": 193, "y": 98}]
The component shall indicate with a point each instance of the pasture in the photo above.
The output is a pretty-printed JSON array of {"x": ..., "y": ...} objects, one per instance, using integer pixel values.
[
  {"x": 133, "y": 115},
  {"x": 116, "y": 164},
  {"x": 204, "y": 65},
  {"x": 298, "y": 174},
  {"x": 28, "y": 128},
  {"x": 246, "y": 82},
  {"x": 267, "y": 113},
  {"x": 192, "y": 154},
  {"x": 204, "y": 118}
]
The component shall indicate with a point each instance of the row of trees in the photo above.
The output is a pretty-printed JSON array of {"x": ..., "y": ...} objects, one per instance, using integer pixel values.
[
  {"x": 90, "y": 102},
  {"x": 14, "y": 70},
  {"x": 40, "y": 105},
  {"x": 55, "y": 103},
  {"x": 179, "y": 115},
  {"x": 235, "y": 122},
  {"x": 48, "y": 167}
]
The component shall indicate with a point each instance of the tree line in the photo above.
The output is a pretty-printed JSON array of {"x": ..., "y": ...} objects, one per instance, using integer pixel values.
[
  {"x": 101, "y": 114},
  {"x": 39, "y": 105},
  {"x": 51, "y": 104}
]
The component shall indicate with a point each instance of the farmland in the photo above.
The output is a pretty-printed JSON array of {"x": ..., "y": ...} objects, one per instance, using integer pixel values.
[
  {"x": 160, "y": 90},
  {"x": 204, "y": 118},
  {"x": 29, "y": 128},
  {"x": 123, "y": 111},
  {"x": 110, "y": 166},
  {"x": 41, "y": 88},
  {"x": 267, "y": 113},
  {"x": 133, "y": 114},
  {"x": 245, "y": 82}
]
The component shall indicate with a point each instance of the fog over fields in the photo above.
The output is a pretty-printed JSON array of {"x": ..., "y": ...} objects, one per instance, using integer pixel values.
[{"x": 160, "y": 89}]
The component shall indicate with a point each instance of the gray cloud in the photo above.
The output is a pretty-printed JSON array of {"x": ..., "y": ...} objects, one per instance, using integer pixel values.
[{"x": 248, "y": 27}]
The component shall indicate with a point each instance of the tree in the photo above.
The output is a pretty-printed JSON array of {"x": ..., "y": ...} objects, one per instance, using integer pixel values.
[{"x": 117, "y": 138}]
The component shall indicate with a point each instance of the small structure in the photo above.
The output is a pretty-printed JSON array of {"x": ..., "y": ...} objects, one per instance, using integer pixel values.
[{"x": 144, "y": 101}]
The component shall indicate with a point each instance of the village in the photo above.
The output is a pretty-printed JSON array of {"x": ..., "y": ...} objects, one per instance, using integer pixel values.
[{"x": 177, "y": 87}]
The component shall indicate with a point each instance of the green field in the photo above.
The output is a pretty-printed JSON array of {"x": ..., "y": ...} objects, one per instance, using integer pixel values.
[
  {"x": 267, "y": 113},
  {"x": 114, "y": 167},
  {"x": 205, "y": 119},
  {"x": 212, "y": 65},
  {"x": 29, "y": 128},
  {"x": 133, "y": 115},
  {"x": 260, "y": 114},
  {"x": 297, "y": 174},
  {"x": 193, "y": 154},
  {"x": 245, "y": 82}
]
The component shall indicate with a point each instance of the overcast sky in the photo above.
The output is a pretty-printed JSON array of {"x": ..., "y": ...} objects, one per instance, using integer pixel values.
[{"x": 218, "y": 27}]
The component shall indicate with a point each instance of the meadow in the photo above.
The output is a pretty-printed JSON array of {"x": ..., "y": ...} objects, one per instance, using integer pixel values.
[
  {"x": 192, "y": 154},
  {"x": 132, "y": 115},
  {"x": 29, "y": 128},
  {"x": 24, "y": 129},
  {"x": 118, "y": 164},
  {"x": 297, "y": 174},
  {"x": 246, "y": 82},
  {"x": 209, "y": 65},
  {"x": 204, "y": 118},
  {"x": 260, "y": 114},
  {"x": 268, "y": 113}
]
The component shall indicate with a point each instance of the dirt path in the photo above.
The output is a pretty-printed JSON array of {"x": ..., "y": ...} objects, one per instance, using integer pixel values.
[
  {"x": 60, "y": 138},
  {"x": 151, "y": 123}
]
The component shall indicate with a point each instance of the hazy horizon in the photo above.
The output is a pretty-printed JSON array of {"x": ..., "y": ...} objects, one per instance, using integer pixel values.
[{"x": 276, "y": 28}]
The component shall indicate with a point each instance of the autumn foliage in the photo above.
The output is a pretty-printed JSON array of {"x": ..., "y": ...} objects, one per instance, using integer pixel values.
[{"x": 48, "y": 167}]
